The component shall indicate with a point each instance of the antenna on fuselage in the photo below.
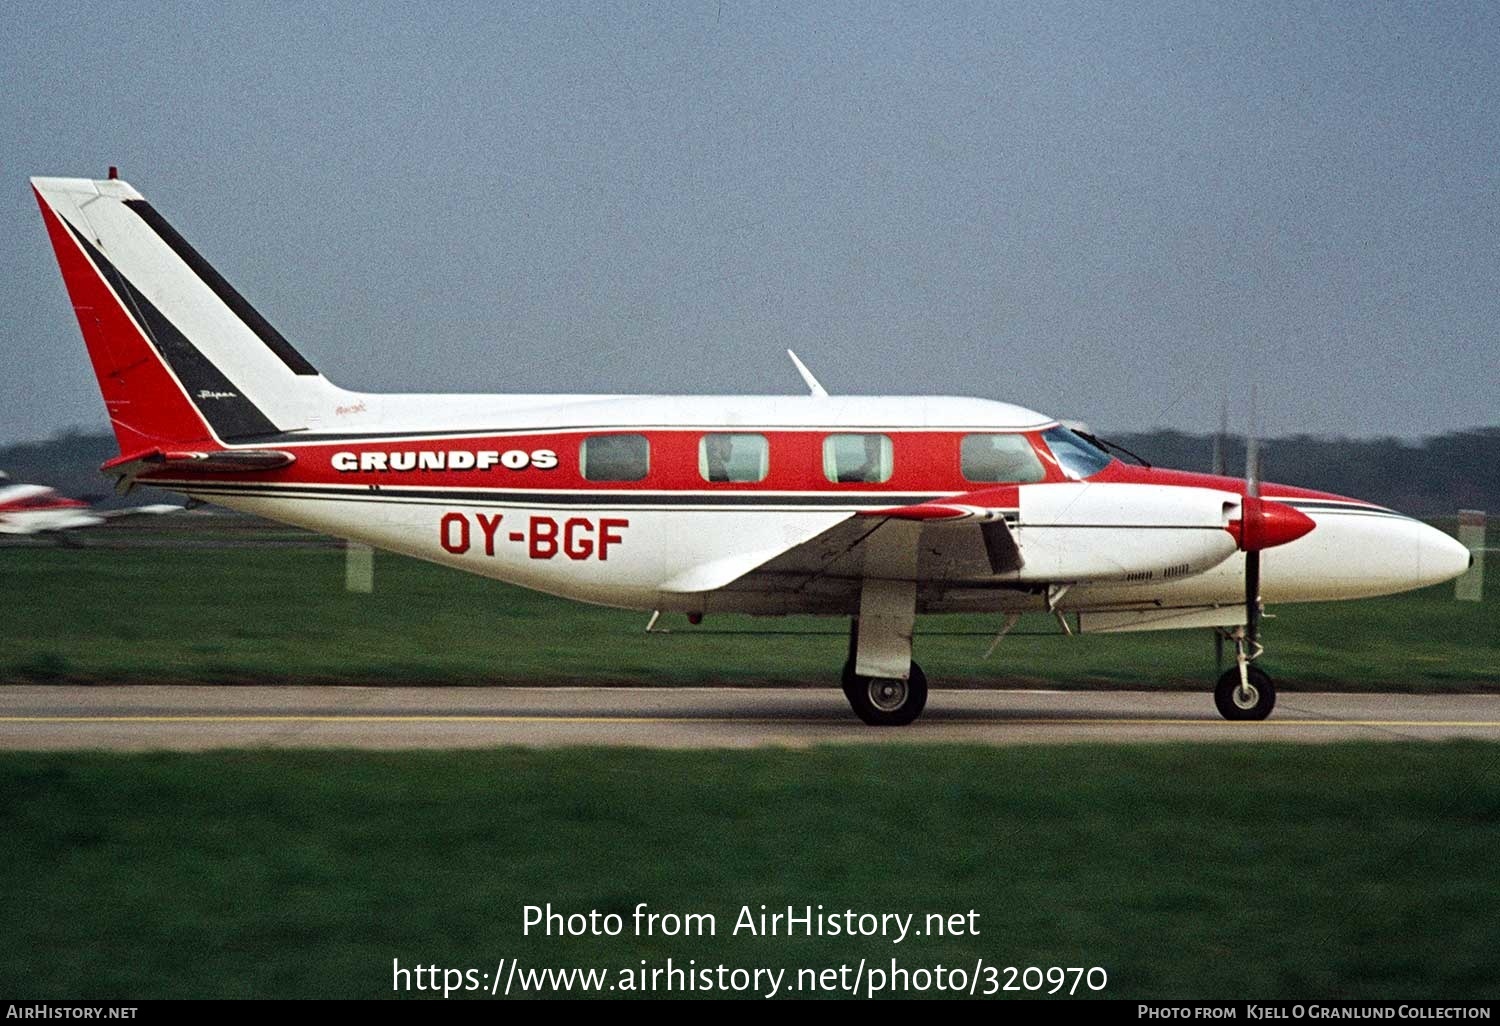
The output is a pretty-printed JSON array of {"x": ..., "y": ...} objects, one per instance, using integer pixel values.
[{"x": 817, "y": 390}]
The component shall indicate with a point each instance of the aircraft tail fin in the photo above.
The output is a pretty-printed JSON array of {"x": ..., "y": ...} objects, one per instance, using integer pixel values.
[{"x": 182, "y": 359}]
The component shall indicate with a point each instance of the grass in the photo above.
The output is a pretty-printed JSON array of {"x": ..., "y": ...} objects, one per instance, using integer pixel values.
[
  {"x": 1185, "y": 871},
  {"x": 1348, "y": 871},
  {"x": 244, "y": 614}
]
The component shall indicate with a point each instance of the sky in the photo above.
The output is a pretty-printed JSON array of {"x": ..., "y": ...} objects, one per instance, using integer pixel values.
[{"x": 1125, "y": 214}]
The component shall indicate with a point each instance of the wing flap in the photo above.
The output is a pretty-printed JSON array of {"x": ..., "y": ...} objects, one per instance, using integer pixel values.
[
  {"x": 1001, "y": 548},
  {"x": 838, "y": 559},
  {"x": 989, "y": 508}
]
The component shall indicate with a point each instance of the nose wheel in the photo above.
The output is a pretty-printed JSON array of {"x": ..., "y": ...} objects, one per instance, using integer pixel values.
[{"x": 886, "y": 701}]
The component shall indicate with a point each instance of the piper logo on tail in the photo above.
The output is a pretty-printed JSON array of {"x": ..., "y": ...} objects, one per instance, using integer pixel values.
[{"x": 452, "y": 459}]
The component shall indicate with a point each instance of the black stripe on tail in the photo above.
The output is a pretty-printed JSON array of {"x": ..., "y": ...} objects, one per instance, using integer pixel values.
[
  {"x": 221, "y": 288},
  {"x": 223, "y": 405}
]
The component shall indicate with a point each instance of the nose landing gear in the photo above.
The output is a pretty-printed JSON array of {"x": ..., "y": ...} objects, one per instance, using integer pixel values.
[{"x": 1245, "y": 691}]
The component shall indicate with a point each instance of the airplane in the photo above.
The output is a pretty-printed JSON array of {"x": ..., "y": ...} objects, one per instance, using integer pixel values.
[
  {"x": 871, "y": 508},
  {"x": 37, "y": 509}
]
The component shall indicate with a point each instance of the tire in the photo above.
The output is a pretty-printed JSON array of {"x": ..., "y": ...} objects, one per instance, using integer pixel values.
[
  {"x": 1233, "y": 706},
  {"x": 883, "y": 702}
]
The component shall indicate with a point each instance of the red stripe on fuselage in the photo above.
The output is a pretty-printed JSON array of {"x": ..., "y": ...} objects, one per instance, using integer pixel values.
[{"x": 924, "y": 462}]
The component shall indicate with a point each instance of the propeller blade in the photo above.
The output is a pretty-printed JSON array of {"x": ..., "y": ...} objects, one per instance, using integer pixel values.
[
  {"x": 1252, "y": 452},
  {"x": 1252, "y": 598},
  {"x": 1252, "y": 557}
]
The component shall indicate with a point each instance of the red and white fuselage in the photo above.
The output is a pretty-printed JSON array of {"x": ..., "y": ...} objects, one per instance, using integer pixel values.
[
  {"x": 512, "y": 503},
  {"x": 967, "y": 504}
]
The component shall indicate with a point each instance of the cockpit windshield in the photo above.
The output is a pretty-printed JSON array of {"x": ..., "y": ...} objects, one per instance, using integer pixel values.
[{"x": 1078, "y": 458}]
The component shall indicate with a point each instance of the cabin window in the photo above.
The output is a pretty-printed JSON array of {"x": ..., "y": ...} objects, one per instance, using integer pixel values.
[
  {"x": 995, "y": 459},
  {"x": 615, "y": 458},
  {"x": 857, "y": 458},
  {"x": 734, "y": 457}
]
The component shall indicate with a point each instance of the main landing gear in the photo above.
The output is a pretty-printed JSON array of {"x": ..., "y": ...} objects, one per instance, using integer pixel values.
[
  {"x": 884, "y": 686},
  {"x": 886, "y": 701},
  {"x": 882, "y": 695},
  {"x": 1244, "y": 691}
]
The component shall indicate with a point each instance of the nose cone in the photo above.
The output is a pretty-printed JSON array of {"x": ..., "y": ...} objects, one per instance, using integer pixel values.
[
  {"x": 1359, "y": 551},
  {"x": 1440, "y": 557}
]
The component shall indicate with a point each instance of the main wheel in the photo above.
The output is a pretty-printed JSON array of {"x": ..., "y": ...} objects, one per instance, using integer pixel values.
[
  {"x": 886, "y": 701},
  {"x": 1253, "y": 704}
]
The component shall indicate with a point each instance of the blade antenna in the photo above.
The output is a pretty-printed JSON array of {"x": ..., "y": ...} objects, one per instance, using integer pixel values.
[{"x": 814, "y": 388}]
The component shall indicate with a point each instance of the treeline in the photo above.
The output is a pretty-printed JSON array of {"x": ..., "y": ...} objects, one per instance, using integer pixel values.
[
  {"x": 1430, "y": 477},
  {"x": 70, "y": 463}
]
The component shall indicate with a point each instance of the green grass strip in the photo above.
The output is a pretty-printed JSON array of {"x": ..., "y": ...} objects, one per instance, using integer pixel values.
[
  {"x": 1185, "y": 871},
  {"x": 276, "y": 615}
]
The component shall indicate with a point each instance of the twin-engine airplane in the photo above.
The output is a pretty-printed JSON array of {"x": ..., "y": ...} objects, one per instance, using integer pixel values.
[{"x": 871, "y": 508}]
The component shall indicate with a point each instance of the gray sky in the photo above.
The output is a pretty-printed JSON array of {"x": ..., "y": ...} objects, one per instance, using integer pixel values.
[{"x": 1112, "y": 212}]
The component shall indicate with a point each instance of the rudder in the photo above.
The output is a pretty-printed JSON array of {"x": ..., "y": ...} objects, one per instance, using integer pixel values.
[{"x": 182, "y": 358}]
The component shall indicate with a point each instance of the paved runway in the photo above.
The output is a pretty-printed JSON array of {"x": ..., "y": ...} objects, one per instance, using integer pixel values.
[{"x": 139, "y": 718}]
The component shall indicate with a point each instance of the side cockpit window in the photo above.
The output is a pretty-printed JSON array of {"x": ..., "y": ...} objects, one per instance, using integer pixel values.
[
  {"x": 849, "y": 459},
  {"x": 997, "y": 459},
  {"x": 615, "y": 458},
  {"x": 734, "y": 457}
]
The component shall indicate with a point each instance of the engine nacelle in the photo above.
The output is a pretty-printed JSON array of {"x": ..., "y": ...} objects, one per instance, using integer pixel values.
[{"x": 1096, "y": 531}]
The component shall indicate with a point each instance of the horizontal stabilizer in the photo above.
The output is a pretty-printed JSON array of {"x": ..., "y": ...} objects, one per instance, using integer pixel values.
[{"x": 232, "y": 461}]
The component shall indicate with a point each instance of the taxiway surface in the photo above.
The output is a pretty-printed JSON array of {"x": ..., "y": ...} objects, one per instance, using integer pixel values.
[{"x": 183, "y": 717}]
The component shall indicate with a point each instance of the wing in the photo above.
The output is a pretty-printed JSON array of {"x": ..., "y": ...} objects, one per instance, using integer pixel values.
[{"x": 952, "y": 544}]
